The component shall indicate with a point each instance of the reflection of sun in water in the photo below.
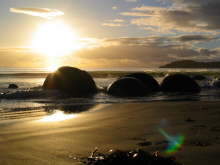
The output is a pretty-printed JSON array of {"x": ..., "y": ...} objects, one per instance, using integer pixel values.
[
  {"x": 57, "y": 116},
  {"x": 54, "y": 40}
]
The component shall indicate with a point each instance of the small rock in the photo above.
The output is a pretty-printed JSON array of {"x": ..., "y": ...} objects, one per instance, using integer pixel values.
[
  {"x": 12, "y": 86},
  {"x": 189, "y": 120},
  {"x": 215, "y": 129}
]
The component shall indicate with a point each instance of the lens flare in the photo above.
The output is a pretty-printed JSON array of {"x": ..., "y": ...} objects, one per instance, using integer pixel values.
[{"x": 175, "y": 142}]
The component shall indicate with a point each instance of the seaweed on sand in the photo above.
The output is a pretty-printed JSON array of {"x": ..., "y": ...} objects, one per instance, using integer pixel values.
[{"x": 136, "y": 157}]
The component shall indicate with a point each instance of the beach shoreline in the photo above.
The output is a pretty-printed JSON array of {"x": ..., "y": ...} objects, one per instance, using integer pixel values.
[{"x": 115, "y": 126}]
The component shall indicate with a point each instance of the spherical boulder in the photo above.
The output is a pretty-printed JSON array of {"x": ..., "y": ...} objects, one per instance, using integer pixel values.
[
  {"x": 150, "y": 83},
  {"x": 179, "y": 83},
  {"x": 12, "y": 86},
  {"x": 199, "y": 77},
  {"x": 127, "y": 87},
  {"x": 49, "y": 82},
  {"x": 71, "y": 80}
]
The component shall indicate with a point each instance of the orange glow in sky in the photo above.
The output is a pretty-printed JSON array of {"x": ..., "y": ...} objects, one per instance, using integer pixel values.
[{"x": 55, "y": 40}]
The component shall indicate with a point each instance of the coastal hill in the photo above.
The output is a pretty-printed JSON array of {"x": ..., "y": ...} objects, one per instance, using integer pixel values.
[{"x": 191, "y": 64}]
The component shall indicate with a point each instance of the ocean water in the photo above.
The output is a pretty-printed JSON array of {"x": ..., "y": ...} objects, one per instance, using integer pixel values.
[{"x": 29, "y": 100}]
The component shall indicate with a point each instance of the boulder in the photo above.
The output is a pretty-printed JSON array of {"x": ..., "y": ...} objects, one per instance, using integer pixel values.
[
  {"x": 199, "y": 77},
  {"x": 49, "y": 82},
  {"x": 150, "y": 83},
  {"x": 127, "y": 87},
  {"x": 76, "y": 82},
  {"x": 12, "y": 86},
  {"x": 179, "y": 83},
  {"x": 216, "y": 83}
]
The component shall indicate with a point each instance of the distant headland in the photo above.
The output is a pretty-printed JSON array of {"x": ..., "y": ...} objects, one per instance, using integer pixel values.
[{"x": 191, "y": 64}]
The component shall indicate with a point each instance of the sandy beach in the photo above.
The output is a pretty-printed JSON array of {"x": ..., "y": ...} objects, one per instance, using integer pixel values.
[
  {"x": 110, "y": 82},
  {"x": 124, "y": 126}
]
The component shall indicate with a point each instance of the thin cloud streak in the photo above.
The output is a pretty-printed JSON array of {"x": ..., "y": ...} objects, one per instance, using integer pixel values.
[
  {"x": 112, "y": 24},
  {"x": 38, "y": 12}
]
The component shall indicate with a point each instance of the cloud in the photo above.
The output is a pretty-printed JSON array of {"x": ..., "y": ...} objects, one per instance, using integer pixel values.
[
  {"x": 131, "y": 0},
  {"x": 198, "y": 38},
  {"x": 150, "y": 51},
  {"x": 38, "y": 12},
  {"x": 162, "y": 40},
  {"x": 143, "y": 11},
  {"x": 20, "y": 57},
  {"x": 114, "y": 23},
  {"x": 141, "y": 56},
  {"x": 134, "y": 14},
  {"x": 118, "y": 20},
  {"x": 182, "y": 15},
  {"x": 114, "y": 7}
]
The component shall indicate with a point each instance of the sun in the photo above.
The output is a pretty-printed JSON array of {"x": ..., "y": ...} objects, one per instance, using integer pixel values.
[
  {"x": 55, "y": 39},
  {"x": 52, "y": 67}
]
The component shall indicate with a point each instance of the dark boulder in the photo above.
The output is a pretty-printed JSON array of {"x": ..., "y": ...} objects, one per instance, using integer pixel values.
[
  {"x": 49, "y": 82},
  {"x": 127, "y": 87},
  {"x": 12, "y": 86},
  {"x": 179, "y": 83},
  {"x": 199, "y": 77},
  {"x": 150, "y": 83},
  {"x": 71, "y": 80},
  {"x": 216, "y": 83}
]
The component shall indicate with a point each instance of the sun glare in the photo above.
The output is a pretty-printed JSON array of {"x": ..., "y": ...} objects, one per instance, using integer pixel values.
[
  {"x": 57, "y": 116},
  {"x": 52, "y": 68},
  {"x": 55, "y": 39}
]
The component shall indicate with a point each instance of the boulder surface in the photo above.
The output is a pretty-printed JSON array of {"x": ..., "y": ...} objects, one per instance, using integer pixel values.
[
  {"x": 179, "y": 83},
  {"x": 150, "y": 83},
  {"x": 71, "y": 80},
  {"x": 127, "y": 87}
]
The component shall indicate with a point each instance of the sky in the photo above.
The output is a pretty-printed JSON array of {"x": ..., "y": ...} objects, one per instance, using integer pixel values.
[{"x": 110, "y": 33}]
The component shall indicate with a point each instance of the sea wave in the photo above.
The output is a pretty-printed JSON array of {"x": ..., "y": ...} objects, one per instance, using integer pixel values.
[
  {"x": 30, "y": 100},
  {"x": 24, "y": 74},
  {"x": 55, "y": 96},
  {"x": 158, "y": 72},
  {"x": 35, "y": 103}
]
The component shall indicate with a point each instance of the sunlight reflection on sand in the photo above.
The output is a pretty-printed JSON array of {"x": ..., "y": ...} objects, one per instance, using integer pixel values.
[{"x": 57, "y": 116}]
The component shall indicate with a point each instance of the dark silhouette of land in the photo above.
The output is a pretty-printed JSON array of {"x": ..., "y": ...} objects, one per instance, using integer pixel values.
[{"x": 191, "y": 64}]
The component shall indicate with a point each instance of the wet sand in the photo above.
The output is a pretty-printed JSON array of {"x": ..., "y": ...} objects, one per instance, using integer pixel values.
[{"x": 38, "y": 141}]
